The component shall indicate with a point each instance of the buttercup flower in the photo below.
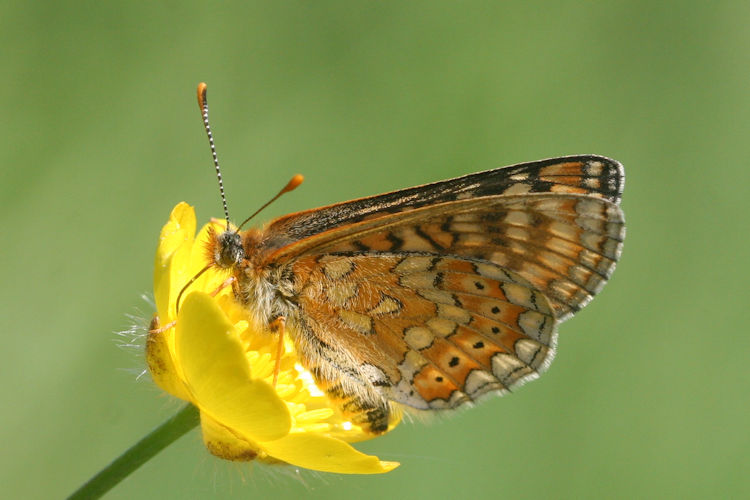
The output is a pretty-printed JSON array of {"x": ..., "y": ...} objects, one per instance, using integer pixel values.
[{"x": 213, "y": 355}]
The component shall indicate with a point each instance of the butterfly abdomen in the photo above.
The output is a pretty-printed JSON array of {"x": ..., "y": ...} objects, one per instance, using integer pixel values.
[{"x": 372, "y": 414}]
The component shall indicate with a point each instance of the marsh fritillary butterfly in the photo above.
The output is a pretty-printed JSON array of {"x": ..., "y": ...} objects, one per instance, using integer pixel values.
[{"x": 436, "y": 295}]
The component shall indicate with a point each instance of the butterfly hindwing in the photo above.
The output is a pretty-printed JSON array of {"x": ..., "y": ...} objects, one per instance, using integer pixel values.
[{"x": 428, "y": 331}]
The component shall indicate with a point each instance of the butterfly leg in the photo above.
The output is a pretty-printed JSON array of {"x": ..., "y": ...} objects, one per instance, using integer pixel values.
[
  {"x": 278, "y": 326},
  {"x": 223, "y": 285}
]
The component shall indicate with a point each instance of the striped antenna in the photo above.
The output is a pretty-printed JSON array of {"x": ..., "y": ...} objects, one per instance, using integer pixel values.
[{"x": 203, "y": 104}]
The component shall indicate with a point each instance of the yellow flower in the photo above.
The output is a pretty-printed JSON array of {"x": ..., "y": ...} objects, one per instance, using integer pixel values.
[{"x": 213, "y": 355}]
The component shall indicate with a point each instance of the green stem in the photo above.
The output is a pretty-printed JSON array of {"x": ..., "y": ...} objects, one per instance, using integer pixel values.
[{"x": 141, "y": 452}]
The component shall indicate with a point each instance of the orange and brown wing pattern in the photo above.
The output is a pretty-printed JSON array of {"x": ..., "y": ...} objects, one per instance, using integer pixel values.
[{"x": 431, "y": 332}]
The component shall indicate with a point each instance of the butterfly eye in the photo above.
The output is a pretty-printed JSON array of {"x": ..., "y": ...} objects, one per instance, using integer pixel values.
[{"x": 229, "y": 251}]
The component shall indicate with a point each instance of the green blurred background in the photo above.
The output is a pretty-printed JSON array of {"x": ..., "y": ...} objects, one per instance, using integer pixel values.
[{"x": 101, "y": 137}]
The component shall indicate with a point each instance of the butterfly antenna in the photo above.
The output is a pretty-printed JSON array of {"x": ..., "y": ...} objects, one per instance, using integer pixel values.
[
  {"x": 203, "y": 104},
  {"x": 293, "y": 184}
]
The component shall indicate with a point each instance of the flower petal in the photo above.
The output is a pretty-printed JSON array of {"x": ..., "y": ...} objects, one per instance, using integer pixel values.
[
  {"x": 172, "y": 254},
  {"x": 218, "y": 374},
  {"x": 322, "y": 453}
]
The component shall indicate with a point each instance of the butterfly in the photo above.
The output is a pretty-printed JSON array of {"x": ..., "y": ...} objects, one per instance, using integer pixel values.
[{"x": 437, "y": 295}]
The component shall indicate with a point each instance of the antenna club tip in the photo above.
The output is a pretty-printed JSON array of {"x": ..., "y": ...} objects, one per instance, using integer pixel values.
[
  {"x": 294, "y": 183},
  {"x": 202, "y": 87}
]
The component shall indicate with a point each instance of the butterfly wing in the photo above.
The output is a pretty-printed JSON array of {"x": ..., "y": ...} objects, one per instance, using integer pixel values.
[
  {"x": 428, "y": 331},
  {"x": 437, "y": 306},
  {"x": 435, "y": 295}
]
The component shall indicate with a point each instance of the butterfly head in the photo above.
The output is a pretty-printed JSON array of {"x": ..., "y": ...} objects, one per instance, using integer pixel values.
[{"x": 226, "y": 250}]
